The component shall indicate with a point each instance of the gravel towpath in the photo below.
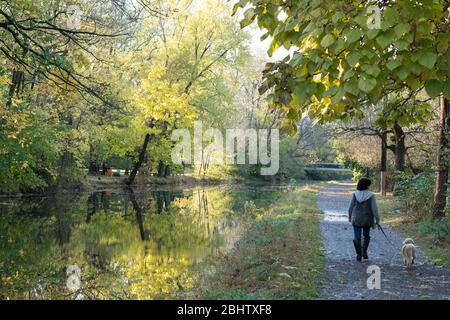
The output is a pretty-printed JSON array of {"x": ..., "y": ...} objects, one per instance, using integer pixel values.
[{"x": 345, "y": 278}]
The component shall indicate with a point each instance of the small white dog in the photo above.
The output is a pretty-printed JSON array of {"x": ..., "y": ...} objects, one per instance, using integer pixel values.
[{"x": 409, "y": 252}]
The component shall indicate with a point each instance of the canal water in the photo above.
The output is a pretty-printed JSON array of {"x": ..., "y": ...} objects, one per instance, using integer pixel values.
[{"x": 120, "y": 244}]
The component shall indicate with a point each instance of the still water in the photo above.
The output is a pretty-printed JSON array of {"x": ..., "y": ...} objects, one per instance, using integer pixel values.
[{"x": 120, "y": 244}]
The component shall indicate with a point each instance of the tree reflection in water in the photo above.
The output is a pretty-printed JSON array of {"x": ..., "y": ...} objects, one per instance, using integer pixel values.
[{"x": 129, "y": 244}]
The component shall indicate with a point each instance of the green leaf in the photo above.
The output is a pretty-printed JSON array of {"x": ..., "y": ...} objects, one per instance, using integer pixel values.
[
  {"x": 331, "y": 91},
  {"x": 447, "y": 89},
  {"x": 293, "y": 114},
  {"x": 375, "y": 94},
  {"x": 337, "y": 16},
  {"x": 351, "y": 87},
  {"x": 316, "y": 12},
  {"x": 443, "y": 42},
  {"x": 415, "y": 56},
  {"x": 235, "y": 8},
  {"x": 393, "y": 64},
  {"x": 297, "y": 57},
  {"x": 372, "y": 33},
  {"x": 301, "y": 95},
  {"x": 413, "y": 82},
  {"x": 264, "y": 87},
  {"x": 416, "y": 68},
  {"x": 338, "y": 96},
  {"x": 361, "y": 20},
  {"x": 391, "y": 15},
  {"x": 373, "y": 70},
  {"x": 311, "y": 26},
  {"x": 348, "y": 74},
  {"x": 317, "y": 33},
  {"x": 291, "y": 24},
  {"x": 267, "y": 21},
  {"x": 402, "y": 72},
  {"x": 327, "y": 41},
  {"x": 401, "y": 29},
  {"x": 264, "y": 36},
  {"x": 337, "y": 46},
  {"x": 367, "y": 84},
  {"x": 274, "y": 45},
  {"x": 326, "y": 65},
  {"x": 428, "y": 59},
  {"x": 424, "y": 27},
  {"x": 385, "y": 39},
  {"x": 249, "y": 16},
  {"x": 353, "y": 58},
  {"x": 434, "y": 87},
  {"x": 352, "y": 35},
  {"x": 401, "y": 44},
  {"x": 294, "y": 37}
]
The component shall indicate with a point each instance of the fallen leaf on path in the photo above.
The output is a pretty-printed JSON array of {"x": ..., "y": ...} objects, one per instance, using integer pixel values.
[
  {"x": 288, "y": 267},
  {"x": 284, "y": 275}
]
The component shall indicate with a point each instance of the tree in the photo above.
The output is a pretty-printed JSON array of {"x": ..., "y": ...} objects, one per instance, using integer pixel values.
[
  {"x": 440, "y": 195},
  {"x": 53, "y": 94},
  {"x": 341, "y": 63},
  {"x": 41, "y": 43},
  {"x": 159, "y": 109}
]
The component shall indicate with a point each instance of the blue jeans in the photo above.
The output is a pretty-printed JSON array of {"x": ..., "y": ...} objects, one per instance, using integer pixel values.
[{"x": 357, "y": 232}]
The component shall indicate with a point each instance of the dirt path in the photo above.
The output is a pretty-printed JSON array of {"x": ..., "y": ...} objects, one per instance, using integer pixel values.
[{"x": 345, "y": 278}]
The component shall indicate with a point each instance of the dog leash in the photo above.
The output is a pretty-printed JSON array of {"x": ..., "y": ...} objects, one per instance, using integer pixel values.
[
  {"x": 390, "y": 242},
  {"x": 381, "y": 229}
]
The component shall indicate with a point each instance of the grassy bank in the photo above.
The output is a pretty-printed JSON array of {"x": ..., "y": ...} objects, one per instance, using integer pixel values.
[
  {"x": 279, "y": 257},
  {"x": 431, "y": 236}
]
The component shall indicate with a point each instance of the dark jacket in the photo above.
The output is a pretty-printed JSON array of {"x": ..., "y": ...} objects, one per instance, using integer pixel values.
[{"x": 363, "y": 210}]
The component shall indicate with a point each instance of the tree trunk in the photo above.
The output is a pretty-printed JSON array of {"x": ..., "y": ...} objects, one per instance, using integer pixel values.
[
  {"x": 93, "y": 167},
  {"x": 139, "y": 217},
  {"x": 16, "y": 85},
  {"x": 400, "y": 148},
  {"x": 161, "y": 169},
  {"x": 440, "y": 192},
  {"x": 167, "y": 171},
  {"x": 383, "y": 163},
  {"x": 92, "y": 206},
  {"x": 138, "y": 164},
  {"x": 65, "y": 178}
]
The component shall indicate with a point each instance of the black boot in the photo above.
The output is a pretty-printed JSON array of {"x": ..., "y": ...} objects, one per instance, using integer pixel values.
[
  {"x": 357, "y": 244},
  {"x": 366, "y": 245}
]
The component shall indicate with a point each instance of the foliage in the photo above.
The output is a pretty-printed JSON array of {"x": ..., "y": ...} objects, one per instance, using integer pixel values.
[
  {"x": 85, "y": 96},
  {"x": 28, "y": 151},
  {"x": 340, "y": 63},
  {"x": 437, "y": 230},
  {"x": 291, "y": 165},
  {"x": 416, "y": 192}
]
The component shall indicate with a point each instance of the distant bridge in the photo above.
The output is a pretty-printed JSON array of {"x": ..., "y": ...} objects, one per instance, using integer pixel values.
[{"x": 328, "y": 171}]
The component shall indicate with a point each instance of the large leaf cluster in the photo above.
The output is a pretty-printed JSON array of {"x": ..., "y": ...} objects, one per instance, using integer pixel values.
[{"x": 340, "y": 63}]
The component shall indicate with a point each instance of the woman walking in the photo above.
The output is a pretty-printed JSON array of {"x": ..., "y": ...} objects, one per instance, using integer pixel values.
[{"x": 363, "y": 214}]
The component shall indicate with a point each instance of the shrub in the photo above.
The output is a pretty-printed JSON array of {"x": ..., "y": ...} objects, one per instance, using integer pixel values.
[
  {"x": 416, "y": 193},
  {"x": 360, "y": 171},
  {"x": 437, "y": 230},
  {"x": 251, "y": 209}
]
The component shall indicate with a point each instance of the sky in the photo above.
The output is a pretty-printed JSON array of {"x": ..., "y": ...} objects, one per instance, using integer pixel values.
[{"x": 258, "y": 46}]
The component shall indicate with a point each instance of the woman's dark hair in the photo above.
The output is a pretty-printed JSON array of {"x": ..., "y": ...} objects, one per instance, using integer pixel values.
[{"x": 363, "y": 184}]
